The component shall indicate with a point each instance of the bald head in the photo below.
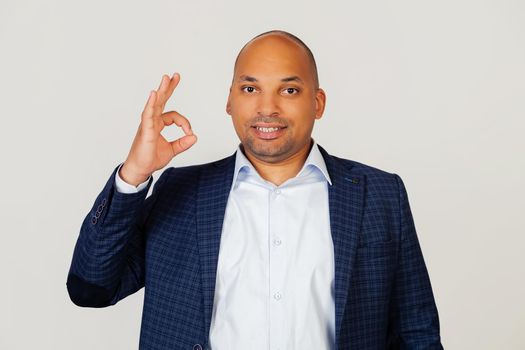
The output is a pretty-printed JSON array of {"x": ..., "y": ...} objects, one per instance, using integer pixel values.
[{"x": 273, "y": 37}]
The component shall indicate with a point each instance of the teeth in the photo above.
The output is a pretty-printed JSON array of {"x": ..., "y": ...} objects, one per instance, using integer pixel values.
[{"x": 267, "y": 129}]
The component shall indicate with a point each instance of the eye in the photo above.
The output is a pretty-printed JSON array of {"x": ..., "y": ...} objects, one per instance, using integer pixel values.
[
  {"x": 290, "y": 91},
  {"x": 248, "y": 89}
]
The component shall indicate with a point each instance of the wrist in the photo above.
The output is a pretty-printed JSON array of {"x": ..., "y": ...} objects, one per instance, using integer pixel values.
[{"x": 130, "y": 176}]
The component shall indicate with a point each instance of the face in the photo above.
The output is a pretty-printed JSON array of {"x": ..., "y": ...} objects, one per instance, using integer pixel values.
[{"x": 273, "y": 99}]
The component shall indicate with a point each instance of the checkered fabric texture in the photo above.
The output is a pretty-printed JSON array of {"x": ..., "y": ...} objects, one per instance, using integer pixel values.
[{"x": 169, "y": 244}]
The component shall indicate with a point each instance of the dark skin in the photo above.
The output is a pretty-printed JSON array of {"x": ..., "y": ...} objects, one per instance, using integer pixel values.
[{"x": 273, "y": 102}]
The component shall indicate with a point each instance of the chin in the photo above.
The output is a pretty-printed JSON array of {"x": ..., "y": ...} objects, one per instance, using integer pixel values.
[{"x": 267, "y": 150}]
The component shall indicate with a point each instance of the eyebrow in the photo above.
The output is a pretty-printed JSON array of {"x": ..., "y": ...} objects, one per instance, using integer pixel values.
[
  {"x": 247, "y": 78},
  {"x": 292, "y": 78},
  {"x": 285, "y": 80}
]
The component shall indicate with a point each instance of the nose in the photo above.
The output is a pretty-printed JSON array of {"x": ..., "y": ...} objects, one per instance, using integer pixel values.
[{"x": 268, "y": 105}]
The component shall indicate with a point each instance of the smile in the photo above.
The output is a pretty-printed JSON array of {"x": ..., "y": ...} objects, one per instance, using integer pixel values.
[
  {"x": 267, "y": 129},
  {"x": 268, "y": 133}
]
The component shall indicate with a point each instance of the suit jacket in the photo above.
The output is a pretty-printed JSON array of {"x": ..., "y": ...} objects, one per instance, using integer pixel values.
[{"x": 169, "y": 243}]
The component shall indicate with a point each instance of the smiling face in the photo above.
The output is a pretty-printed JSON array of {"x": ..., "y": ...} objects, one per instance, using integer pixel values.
[{"x": 274, "y": 99}]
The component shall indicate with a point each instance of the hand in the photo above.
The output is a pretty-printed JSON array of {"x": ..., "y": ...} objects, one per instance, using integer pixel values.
[{"x": 150, "y": 151}]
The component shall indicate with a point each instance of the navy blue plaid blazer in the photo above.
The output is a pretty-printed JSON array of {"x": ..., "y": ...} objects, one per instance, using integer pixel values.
[{"x": 169, "y": 244}]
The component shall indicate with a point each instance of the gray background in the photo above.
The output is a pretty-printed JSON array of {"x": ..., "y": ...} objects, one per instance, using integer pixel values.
[{"x": 433, "y": 91}]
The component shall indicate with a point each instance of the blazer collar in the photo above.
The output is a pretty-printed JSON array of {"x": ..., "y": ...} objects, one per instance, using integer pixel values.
[{"x": 346, "y": 202}]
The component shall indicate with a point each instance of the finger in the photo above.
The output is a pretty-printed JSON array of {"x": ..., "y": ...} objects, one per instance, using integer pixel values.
[
  {"x": 183, "y": 143},
  {"x": 172, "y": 85},
  {"x": 167, "y": 89},
  {"x": 178, "y": 119},
  {"x": 162, "y": 82},
  {"x": 149, "y": 109}
]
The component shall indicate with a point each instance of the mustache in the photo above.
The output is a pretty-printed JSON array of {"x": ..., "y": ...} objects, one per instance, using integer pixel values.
[{"x": 269, "y": 119}]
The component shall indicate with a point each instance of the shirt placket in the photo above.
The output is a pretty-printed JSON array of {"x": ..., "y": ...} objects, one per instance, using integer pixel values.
[{"x": 277, "y": 267}]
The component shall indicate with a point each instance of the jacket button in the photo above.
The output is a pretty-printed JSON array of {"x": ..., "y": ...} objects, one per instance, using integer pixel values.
[{"x": 197, "y": 347}]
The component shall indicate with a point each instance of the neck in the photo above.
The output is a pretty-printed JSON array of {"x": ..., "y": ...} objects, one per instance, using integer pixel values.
[{"x": 278, "y": 173}]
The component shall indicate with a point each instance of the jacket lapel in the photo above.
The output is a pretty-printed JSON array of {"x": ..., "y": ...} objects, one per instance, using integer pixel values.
[
  {"x": 212, "y": 197},
  {"x": 346, "y": 201}
]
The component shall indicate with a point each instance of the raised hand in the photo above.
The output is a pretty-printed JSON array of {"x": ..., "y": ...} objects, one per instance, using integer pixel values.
[{"x": 150, "y": 151}]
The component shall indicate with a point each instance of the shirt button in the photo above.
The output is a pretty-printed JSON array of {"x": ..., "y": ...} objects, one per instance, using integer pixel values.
[
  {"x": 277, "y": 191},
  {"x": 277, "y": 241},
  {"x": 277, "y": 296}
]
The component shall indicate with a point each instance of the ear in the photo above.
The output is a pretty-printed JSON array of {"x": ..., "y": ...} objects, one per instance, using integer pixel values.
[
  {"x": 320, "y": 102},
  {"x": 228, "y": 103}
]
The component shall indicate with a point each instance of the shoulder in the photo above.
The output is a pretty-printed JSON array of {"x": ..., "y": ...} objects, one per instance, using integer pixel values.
[
  {"x": 342, "y": 165},
  {"x": 189, "y": 175},
  {"x": 377, "y": 179},
  {"x": 378, "y": 182},
  {"x": 362, "y": 168}
]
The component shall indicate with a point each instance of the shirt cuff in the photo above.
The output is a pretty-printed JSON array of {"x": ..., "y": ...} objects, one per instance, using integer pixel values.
[{"x": 123, "y": 187}]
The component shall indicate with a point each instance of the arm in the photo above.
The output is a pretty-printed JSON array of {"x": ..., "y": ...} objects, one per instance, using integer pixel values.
[
  {"x": 108, "y": 260},
  {"x": 414, "y": 313}
]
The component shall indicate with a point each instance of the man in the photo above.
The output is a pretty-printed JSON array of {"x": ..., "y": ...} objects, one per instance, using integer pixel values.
[{"x": 279, "y": 246}]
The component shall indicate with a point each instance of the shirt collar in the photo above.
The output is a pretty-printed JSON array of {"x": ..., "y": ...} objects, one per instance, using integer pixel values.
[{"x": 314, "y": 159}]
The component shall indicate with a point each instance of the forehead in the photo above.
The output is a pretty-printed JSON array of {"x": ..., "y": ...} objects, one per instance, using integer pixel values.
[{"x": 273, "y": 56}]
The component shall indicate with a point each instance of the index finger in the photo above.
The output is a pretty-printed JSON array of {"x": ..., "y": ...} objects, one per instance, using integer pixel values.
[{"x": 174, "y": 117}]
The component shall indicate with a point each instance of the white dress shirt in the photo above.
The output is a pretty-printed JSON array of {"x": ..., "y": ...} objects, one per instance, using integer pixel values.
[{"x": 275, "y": 275}]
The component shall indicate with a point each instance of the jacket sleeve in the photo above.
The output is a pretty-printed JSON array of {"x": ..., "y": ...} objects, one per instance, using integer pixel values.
[
  {"x": 108, "y": 259},
  {"x": 414, "y": 312}
]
